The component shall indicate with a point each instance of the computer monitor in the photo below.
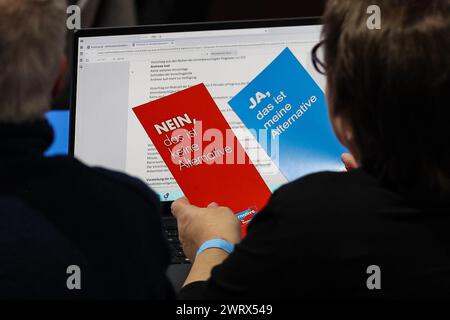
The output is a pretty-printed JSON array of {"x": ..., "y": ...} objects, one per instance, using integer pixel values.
[{"x": 118, "y": 69}]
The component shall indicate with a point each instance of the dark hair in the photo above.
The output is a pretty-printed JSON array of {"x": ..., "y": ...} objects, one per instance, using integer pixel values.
[{"x": 393, "y": 86}]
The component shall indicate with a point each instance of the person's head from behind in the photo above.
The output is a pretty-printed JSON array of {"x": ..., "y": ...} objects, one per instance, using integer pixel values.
[
  {"x": 389, "y": 89},
  {"x": 32, "y": 40}
]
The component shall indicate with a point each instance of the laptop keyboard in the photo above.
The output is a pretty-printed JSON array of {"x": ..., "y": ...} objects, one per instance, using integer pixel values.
[{"x": 176, "y": 251}]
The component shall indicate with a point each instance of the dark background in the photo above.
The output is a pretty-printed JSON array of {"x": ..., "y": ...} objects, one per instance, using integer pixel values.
[
  {"x": 213, "y": 10},
  {"x": 114, "y": 13}
]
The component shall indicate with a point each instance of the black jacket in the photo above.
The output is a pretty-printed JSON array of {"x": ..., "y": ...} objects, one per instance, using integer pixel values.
[
  {"x": 319, "y": 235},
  {"x": 57, "y": 212}
]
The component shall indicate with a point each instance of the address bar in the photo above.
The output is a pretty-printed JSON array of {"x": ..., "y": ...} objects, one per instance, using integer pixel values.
[{"x": 207, "y": 34}]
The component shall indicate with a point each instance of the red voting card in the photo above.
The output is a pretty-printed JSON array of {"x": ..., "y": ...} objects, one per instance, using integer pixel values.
[{"x": 202, "y": 152}]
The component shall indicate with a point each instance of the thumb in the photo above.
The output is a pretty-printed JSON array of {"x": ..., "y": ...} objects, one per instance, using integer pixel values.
[
  {"x": 179, "y": 205},
  {"x": 213, "y": 205}
]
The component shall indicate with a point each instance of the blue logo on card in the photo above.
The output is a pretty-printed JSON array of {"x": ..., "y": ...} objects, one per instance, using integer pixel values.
[{"x": 286, "y": 101}]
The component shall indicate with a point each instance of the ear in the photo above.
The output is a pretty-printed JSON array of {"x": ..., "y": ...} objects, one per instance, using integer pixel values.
[
  {"x": 342, "y": 126},
  {"x": 344, "y": 132},
  {"x": 59, "y": 82},
  {"x": 342, "y": 129}
]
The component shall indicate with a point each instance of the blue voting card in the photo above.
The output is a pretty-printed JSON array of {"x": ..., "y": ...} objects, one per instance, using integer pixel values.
[{"x": 285, "y": 103}]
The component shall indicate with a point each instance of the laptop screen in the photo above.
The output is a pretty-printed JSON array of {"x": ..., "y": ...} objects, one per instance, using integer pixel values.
[{"x": 118, "y": 72}]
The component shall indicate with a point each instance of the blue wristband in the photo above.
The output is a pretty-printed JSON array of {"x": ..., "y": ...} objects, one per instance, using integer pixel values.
[{"x": 216, "y": 243}]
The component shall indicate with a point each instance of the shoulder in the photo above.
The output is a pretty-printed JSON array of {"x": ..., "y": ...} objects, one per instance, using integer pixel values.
[
  {"x": 325, "y": 179},
  {"x": 125, "y": 181},
  {"x": 326, "y": 189},
  {"x": 330, "y": 198},
  {"x": 115, "y": 185}
]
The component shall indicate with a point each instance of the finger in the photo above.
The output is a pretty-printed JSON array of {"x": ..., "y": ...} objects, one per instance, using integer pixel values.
[
  {"x": 183, "y": 200},
  {"x": 349, "y": 161},
  {"x": 181, "y": 207},
  {"x": 213, "y": 205},
  {"x": 178, "y": 205}
]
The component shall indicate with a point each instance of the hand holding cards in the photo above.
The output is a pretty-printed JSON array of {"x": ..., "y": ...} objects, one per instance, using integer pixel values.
[{"x": 202, "y": 152}]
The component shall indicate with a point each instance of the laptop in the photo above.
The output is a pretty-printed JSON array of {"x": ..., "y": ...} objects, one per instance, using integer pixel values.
[{"x": 117, "y": 69}]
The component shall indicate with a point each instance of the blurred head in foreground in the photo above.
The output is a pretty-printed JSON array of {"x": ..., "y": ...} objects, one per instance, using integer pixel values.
[
  {"x": 32, "y": 41},
  {"x": 389, "y": 90}
]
